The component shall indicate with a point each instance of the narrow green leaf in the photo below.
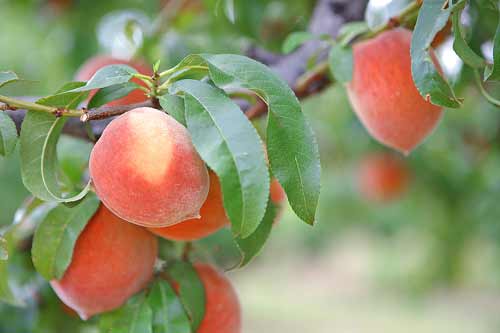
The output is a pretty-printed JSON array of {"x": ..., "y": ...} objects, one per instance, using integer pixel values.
[
  {"x": 295, "y": 40},
  {"x": 156, "y": 66},
  {"x": 230, "y": 145},
  {"x": 251, "y": 246},
  {"x": 191, "y": 291},
  {"x": 174, "y": 106},
  {"x": 8, "y": 135},
  {"x": 292, "y": 148},
  {"x": 459, "y": 44},
  {"x": 169, "y": 314},
  {"x": 56, "y": 236},
  {"x": 111, "y": 93},
  {"x": 108, "y": 76},
  {"x": 7, "y": 77},
  {"x": 39, "y": 135},
  {"x": 341, "y": 62},
  {"x": 432, "y": 86},
  {"x": 492, "y": 72},
  {"x": 134, "y": 317},
  {"x": 63, "y": 98}
]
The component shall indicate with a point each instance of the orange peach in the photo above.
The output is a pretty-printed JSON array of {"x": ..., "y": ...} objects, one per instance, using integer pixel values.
[
  {"x": 112, "y": 260},
  {"x": 384, "y": 96},
  {"x": 92, "y": 65},
  {"x": 213, "y": 217},
  {"x": 222, "y": 308},
  {"x": 146, "y": 170},
  {"x": 382, "y": 177}
]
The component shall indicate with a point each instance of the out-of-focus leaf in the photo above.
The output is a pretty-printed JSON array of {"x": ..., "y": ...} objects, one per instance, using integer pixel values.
[
  {"x": 4, "y": 252},
  {"x": 341, "y": 62},
  {"x": 351, "y": 30},
  {"x": 191, "y": 291},
  {"x": 230, "y": 145},
  {"x": 169, "y": 314},
  {"x": 295, "y": 40},
  {"x": 134, "y": 317},
  {"x": 7, "y": 77},
  {"x": 377, "y": 15},
  {"x": 8, "y": 135},
  {"x": 56, "y": 236},
  {"x": 430, "y": 84}
]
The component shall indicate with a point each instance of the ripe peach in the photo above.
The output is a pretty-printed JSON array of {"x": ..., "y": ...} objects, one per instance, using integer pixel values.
[
  {"x": 222, "y": 308},
  {"x": 384, "y": 96},
  {"x": 146, "y": 170},
  {"x": 213, "y": 217},
  {"x": 92, "y": 65},
  {"x": 112, "y": 260},
  {"x": 382, "y": 177}
]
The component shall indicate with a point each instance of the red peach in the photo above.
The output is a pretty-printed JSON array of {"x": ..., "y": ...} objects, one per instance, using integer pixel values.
[
  {"x": 383, "y": 177},
  {"x": 112, "y": 260},
  {"x": 146, "y": 170},
  {"x": 384, "y": 96},
  {"x": 222, "y": 308}
]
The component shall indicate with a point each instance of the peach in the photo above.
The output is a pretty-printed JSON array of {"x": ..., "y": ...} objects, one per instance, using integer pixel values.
[
  {"x": 146, "y": 170},
  {"x": 222, "y": 308},
  {"x": 112, "y": 260},
  {"x": 384, "y": 96},
  {"x": 92, "y": 65},
  {"x": 382, "y": 177},
  {"x": 213, "y": 215}
]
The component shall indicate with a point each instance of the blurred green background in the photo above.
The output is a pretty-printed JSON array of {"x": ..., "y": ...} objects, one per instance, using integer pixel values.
[{"x": 428, "y": 261}]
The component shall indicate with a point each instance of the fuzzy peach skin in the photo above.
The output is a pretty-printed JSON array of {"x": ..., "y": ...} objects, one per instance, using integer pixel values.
[
  {"x": 146, "y": 170},
  {"x": 383, "y": 177},
  {"x": 383, "y": 95},
  {"x": 222, "y": 308},
  {"x": 213, "y": 217},
  {"x": 91, "y": 66},
  {"x": 112, "y": 261}
]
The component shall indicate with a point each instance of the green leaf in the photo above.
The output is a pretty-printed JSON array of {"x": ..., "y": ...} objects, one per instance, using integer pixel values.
[
  {"x": 350, "y": 31},
  {"x": 431, "y": 85},
  {"x": 295, "y": 40},
  {"x": 56, "y": 236},
  {"x": 191, "y": 291},
  {"x": 8, "y": 135},
  {"x": 169, "y": 315},
  {"x": 73, "y": 155},
  {"x": 156, "y": 66},
  {"x": 174, "y": 106},
  {"x": 341, "y": 62},
  {"x": 63, "y": 98},
  {"x": 108, "y": 76},
  {"x": 39, "y": 135},
  {"x": 492, "y": 72},
  {"x": 111, "y": 93},
  {"x": 134, "y": 317},
  {"x": 459, "y": 44},
  {"x": 251, "y": 246},
  {"x": 292, "y": 148},
  {"x": 230, "y": 145},
  {"x": 7, "y": 77},
  {"x": 27, "y": 217}
]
